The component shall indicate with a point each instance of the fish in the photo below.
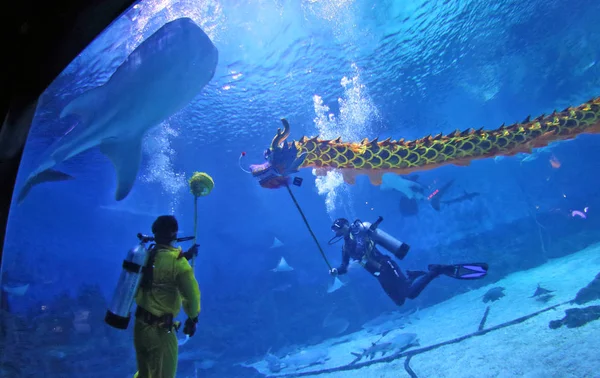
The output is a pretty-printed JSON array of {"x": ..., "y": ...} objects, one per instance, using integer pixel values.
[
  {"x": 537, "y": 153},
  {"x": 541, "y": 291},
  {"x": 386, "y": 322},
  {"x": 407, "y": 186},
  {"x": 413, "y": 192},
  {"x": 158, "y": 79},
  {"x": 466, "y": 196},
  {"x": 335, "y": 285},
  {"x": 383, "y": 319},
  {"x": 282, "y": 266},
  {"x": 273, "y": 362},
  {"x": 276, "y": 243},
  {"x": 396, "y": 344},
  {"x": 372, "y": 351},
  {"x": 493, "y": 294},
  {"x": 435, "y": 198},
  {"x": 306, "y": 358},
  {"x": 298, "y": 359}
]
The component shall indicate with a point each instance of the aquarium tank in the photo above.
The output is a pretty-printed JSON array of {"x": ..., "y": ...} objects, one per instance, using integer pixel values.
[{"x": 331, "y": 188}]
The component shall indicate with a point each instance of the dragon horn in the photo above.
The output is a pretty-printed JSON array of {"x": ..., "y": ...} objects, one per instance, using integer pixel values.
[{"x": 281, "y": 135}]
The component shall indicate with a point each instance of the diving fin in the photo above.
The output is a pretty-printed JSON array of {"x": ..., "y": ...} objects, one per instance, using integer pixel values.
[{"x": 471, "y": 271}]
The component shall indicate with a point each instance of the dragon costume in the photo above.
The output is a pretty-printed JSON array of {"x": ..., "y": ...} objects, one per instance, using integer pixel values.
[{"x": 374, "y": 158}]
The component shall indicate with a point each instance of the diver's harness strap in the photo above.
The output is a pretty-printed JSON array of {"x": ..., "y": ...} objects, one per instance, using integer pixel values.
[
  {"x": 165, "y": 321},
  {"x": 367, "y": 261},
  {"x": 132, "y": 267},
  {"x": 148, "y": 270}
]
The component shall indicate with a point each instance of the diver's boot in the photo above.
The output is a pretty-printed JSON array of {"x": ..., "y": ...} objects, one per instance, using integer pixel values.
[{"x": 448, "y": 270}]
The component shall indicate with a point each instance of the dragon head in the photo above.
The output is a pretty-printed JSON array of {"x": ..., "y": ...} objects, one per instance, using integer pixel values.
[
  {"x": 281, "y": 135},
  {"x": 281, "y": 160}
]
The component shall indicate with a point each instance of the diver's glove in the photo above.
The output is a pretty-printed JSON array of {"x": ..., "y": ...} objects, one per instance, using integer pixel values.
[
  {"x": 190, "y": 326},
  {"x": 333, "y": 272},
  {"x": 193, "y": 251}
]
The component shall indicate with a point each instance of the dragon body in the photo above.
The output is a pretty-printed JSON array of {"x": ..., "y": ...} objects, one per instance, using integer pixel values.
[{"x": 374, "y": 158}]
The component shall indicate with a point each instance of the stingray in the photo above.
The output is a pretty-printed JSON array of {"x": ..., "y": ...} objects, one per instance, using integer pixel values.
[
  {"x": 493, "y": 294},
  {"x": 158, "y": 79},
  {"x": 273, "y": 362},
  {"x": 283, "y": 266},
  {"x": 336, "y": 284},
  {"x": 541, "y": 291},
  {"x": 276, "y": 243}
]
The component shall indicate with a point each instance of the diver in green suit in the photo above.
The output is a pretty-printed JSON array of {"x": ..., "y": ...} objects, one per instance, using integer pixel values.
[{"x": 168, "y": 284}]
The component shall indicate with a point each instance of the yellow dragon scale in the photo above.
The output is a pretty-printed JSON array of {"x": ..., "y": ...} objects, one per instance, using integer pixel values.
[{"x": 373, "y": 158}]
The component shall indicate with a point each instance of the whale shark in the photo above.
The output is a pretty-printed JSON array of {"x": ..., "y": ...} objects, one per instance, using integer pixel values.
[{"x": 158, "y": 79}]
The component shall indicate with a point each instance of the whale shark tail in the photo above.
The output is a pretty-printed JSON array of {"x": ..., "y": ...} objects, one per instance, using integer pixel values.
[{"x": 45, "y": 176}]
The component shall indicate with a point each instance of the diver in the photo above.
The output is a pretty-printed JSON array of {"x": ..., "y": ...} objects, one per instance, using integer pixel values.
[
  {"x": 167, "y": 284},
  {"x": 360, "y": 243}
]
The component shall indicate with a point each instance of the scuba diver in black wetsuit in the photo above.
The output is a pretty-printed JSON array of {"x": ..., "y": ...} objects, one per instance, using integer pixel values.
[{"x": 360, "y": 243}]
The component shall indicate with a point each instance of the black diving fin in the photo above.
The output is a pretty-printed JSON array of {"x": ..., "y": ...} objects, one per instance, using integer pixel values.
[{"x": 470, "y": 271}]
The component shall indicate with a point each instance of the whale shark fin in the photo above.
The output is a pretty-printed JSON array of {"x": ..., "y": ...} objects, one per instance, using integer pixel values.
[
  {"x": 126, "y": 156},
  {"x": 85, "y": 105},
  {"x": 45, "y": 176},
  {"x": 18, "y": 290}
]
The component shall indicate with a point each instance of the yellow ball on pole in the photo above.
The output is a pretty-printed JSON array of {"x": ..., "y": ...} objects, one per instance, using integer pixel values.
[{"x": 201, "y": 184}]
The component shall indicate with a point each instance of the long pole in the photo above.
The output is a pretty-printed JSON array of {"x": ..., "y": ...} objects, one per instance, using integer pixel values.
[
  {"x": 195, "y": 228},
  {"x": 308, "y": 225}
]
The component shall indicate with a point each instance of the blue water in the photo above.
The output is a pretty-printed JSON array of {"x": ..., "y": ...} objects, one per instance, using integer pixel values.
[{"x": 400, "y": 69}]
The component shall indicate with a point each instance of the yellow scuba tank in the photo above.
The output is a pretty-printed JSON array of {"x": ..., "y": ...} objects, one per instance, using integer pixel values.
[{"x": 119, "y": 312}]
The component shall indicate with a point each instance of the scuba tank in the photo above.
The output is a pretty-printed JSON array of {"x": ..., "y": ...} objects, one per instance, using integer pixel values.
[
  {"x": 119, "y": 312},
  {"x": 382, "y": 238}
]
